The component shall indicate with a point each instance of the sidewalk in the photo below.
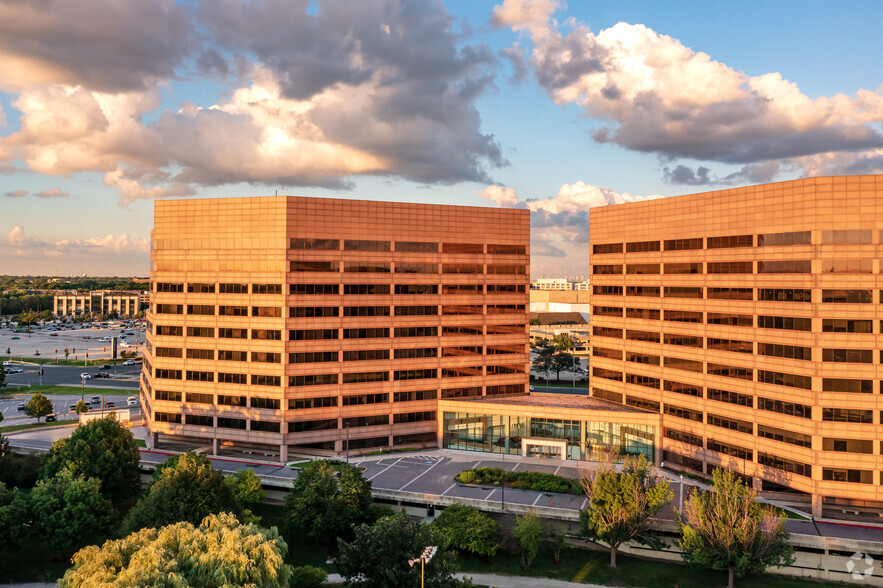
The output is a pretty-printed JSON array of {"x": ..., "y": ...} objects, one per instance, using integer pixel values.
[{"x": 501, "y": 581}]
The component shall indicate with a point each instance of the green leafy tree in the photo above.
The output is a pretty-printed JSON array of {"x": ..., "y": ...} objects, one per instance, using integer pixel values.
[
  {"x": 67, "y": 352},
  {"x": 378, "y": 555},
  {"x": 543, "y": 363},
  {"x": 246, "y": 487},
  {"x": 727, "y": 529},
  {"x": 189, "y": 491},
  {"x": 529, "y": 531},
  {"x": 172, "y": 463},
  {"x": 621, "y": 503},
  {"x": 68, "y": 509},
  {"x": 308, "y": 577},
  {"x": 38, "y": 406},
  {"x": 219, "y": 552},
  {"x": 3, "y": 376},
  {"x": 18, "y": 471},
  {"x": 101, "y": 449},
  {"x": 466, "y": 528},
  {"x": 327, "y": 505},
  {"x": 81, "y": 407},
  {"x": 563, "y": 342},
  {"x": 557, "y": 541},
  {"x": 13, "y": 516}
]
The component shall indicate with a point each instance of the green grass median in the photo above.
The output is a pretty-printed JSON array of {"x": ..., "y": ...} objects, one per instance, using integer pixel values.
[{"x": 48, "y": 390}]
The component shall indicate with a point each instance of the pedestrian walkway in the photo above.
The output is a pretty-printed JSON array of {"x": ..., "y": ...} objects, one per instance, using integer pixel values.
[{"x": 501, "y": 581}]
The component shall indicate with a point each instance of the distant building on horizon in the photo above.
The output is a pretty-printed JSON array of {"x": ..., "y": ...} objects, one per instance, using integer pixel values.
[
  {"x": 70, "y": 303},
  {"x": 551, "y": 284}
]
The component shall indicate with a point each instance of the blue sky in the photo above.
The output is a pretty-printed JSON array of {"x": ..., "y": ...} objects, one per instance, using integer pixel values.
[{"x": 109, "y": 105}]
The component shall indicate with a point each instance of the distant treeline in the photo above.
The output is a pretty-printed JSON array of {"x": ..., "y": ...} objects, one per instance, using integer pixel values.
[{"x": 17, "y": 299}]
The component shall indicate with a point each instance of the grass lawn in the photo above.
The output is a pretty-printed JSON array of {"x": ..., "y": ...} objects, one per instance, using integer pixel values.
[
  {"x": 65, "y": 362},
  {"x": 87, "y": 391},
  {"x": 13, "y": 428},
  {"x": 592, "y": 567}
]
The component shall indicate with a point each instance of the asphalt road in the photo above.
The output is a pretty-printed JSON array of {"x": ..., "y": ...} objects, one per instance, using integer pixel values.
[
  {"x": 61, "y": 403},
  {"x": 121, "y": 376}
]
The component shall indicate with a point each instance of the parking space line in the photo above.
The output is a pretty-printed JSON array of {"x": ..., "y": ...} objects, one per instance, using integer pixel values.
[
  {"x": 448, "y": 490},
  {"x": 558, "y": 469},
  {"x": 418, "y": 477},
  {"x": 537, "y": 500},
  {"x": 383, "y": 470},
  {"x": 516, "y": 466}
]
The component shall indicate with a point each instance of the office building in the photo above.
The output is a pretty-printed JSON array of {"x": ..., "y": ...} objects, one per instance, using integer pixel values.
[
  {"x": 551, "y": 284},
  {"x": 280, "y": 324},
  {"x": 748, "y": 321},
  {"x": 76, "y": 303}
]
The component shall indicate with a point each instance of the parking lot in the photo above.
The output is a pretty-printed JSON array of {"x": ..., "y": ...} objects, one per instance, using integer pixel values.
[
  {"x": 47, "y": 344},
  {"x": 61, "y": 404},
  {"x": 119, "y": 376}
]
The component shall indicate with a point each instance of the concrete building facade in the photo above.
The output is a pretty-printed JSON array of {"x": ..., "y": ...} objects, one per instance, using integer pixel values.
[
  {"x": 287, "y": 323},
  {"x": 75, "y": 303},
  {"x": 749, "y": 321}
]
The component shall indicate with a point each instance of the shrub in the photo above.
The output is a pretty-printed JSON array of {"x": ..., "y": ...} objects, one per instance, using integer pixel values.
[{"x": 308, "y": 577}]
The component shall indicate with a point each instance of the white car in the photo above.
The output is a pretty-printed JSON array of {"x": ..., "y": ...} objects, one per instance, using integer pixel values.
[
  {"x": 7, "y": 363},
  {"x": 13, "y": 370},
  {"x": 125, "y": 344},
  {"x": 129, "y": 362},
  {"x": 85, "y": 376},
  {"x": 132, "y": 401}
]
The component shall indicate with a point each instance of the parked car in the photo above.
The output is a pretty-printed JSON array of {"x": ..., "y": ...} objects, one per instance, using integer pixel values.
[
  {"x": 53, "y": 334},
  {"x": 129, "y": 362},
  {"x": 124, "y": 344},
  {"x": 51, "y": 418},
  {"x": 105, "y": 366},
  {"x": 110, "y": 404},
  {"x": 95, "y": 400},
  {"x": 85, "y": 376},
  {"x": 21, "y": 406},
  {"x": 13, "y": 370},
  {"x": 132, "y": 401},
  {"x": 103, "y": 375},
  {"x": 7, "y": 363},
  {"x": 15, "y": 338}
]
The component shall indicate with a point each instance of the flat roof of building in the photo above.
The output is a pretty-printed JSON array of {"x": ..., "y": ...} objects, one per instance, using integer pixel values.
[{"x": 571, "y": 401}]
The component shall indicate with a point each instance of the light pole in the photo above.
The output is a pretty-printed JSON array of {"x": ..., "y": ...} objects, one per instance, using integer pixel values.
[
  {"x": 573, "y": 369},
  {"x": 681, "y": 498},
  {"x": 347, "y": 444},
  {"x": 427, "y": 555}
]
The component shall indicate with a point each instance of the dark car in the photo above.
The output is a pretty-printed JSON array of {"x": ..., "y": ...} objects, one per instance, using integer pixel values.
[
  {"x": 51, "y": 418},
  {"x": 21, "y": 406},
  {"x": 105, "y": 366},
  {"x": 53, "y": 334},
  {"x": 103, "y": 375}
]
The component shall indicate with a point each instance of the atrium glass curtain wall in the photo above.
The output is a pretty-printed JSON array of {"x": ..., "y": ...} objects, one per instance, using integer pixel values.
[{"x": 504, "y": 434}]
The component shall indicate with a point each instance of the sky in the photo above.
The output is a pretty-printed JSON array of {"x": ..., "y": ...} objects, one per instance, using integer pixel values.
[{"x": 109, "y": 105}]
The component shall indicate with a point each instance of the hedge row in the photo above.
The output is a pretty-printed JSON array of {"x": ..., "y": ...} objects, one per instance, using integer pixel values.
[{"x": 524, "y": 480}]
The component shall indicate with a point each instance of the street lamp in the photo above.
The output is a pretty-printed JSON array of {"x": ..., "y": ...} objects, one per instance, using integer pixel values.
[
  {"x": 427, "y": 555},
  {"x": 681, "y": 498}
]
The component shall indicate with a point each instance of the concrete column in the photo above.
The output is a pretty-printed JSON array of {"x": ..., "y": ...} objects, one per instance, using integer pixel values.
[
  {"x": 152, "y": 440},
  {"x": 283, "y": 453},
  {"x": 757, "y": 482},
  {"x": 215, "y": 446},
  {"x": 817, "y": 505}
]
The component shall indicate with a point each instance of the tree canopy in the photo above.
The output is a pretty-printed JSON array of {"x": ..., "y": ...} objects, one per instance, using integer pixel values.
[
  {"x": 219, "y": 552},
  {"x": 727, "y": 529},
  {"x": 13, "y": 515},
  {"x": 189, "y": 491},
  {"x": 327, "y": 505},
  {"x": 101, "y": 449},
  {"x": 468, "y": 529},
  {"x": 529, "y": 532},
  {"x": 38, "y": 406},
  {"x": 379, "y": 553},
  {"x": 68, "y": 509},
  {"x": 551, "y": 359},
  {"x": 246, "y": 487},
  {"x": 621, "y": 503}
]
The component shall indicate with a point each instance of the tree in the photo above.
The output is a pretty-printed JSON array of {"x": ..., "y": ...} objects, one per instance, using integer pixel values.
[
  {"x": 378, "y": 555},
  {"x": 38, "y": 406},
  {"x": 246, "y": 487},
  {"x": 557, "y": 541},
  {"x": 621, "y": 503},
  {"x": 219, "y": 552},
  {"x": 81, "y": 407},
  {"x": 563, "y": 342},
  {"x": 308, "y": 577},
  {"x": 189, "y": 491},
  {"x": 68, "y": 509},
  {"x": 13, "y": 516},
  {"x": 466, "y": 528},
  {"x": 727, "y": 529},
  {"x": 3, "y": 377},
  {"x": 327, "y": 505},
  {"x": 101, "y": 449},
  {"x": 529, "y": 532},
  {"x": 66, "y": 353},
  {"x": 543, "y": 363}
]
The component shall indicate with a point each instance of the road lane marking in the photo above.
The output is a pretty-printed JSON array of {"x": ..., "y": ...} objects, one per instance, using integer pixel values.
[
  {"x": 418, "y": 477},
  {"x": 448, "y": 490}
]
